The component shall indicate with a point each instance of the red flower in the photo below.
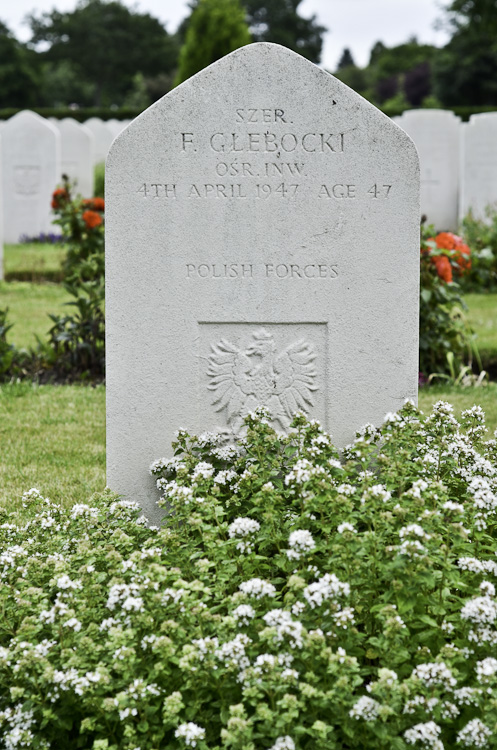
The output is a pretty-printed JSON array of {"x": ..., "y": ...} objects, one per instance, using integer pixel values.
[
  {"x": 462, "y": 253},
  {"x": 444, "y": 269},
  {"x": 92, "y": 219},
  {"x": 59, "y": 198},
  {"x": 94, "y": 204}
]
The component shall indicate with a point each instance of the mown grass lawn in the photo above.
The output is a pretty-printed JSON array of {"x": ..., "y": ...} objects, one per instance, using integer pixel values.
[
  {"x": 34, "y": 261},
  {"x": 29, "y": 306},
  {"x": 482, "y": 317},
  {"x": 53, "y": 437}
]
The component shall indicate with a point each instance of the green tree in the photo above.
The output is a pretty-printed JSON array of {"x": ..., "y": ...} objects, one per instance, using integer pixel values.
[
  {"x": 346, "y": 60},
  {"x": 466, "y": 70},
  {"x": 215, "y": 28},
  {"x": 279, "y": 21},
  {"x": 106, "y": 44},
  {"x": 19, "y": 72},
  {"x": 402, "y": 71}
]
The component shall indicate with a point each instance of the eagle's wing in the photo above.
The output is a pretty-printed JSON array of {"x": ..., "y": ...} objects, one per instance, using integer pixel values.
[
  {"x": 228, "y": 374},
  {"x": 296, "y": 377}
]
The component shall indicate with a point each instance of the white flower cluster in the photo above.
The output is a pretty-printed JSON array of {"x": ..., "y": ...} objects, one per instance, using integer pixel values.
[
  {"x": 19, "y": 722},
  {"x": 480, "y": 610},
  {"x": 166, "y": 465},
  {"x": 225, "y": 477},
  {"x": 209, "y": 439},
  {"x": 366, "y": 709},
  {"x": 243, "y": 614},
  {"x": 203, "y": 470},
  {"x": 205, "y": 646},
  {"x": 227, "y": 453},
  {"x": 427, "y": 735},
  {"x": 343, "y": 527},
  {"x": 486, "y": 668},
  {"x": 232, "y": 653},
  {"x": 434, "y": 673},
  {"x": 285, "y": 627},
  {"x": 303, "y": 471},
  {"x": 301, "y": 543},
  {"x": 80, "y": 510},
  {"x": 257, "y": 588},
  {"x": 413, "y": 530},
  {"x": 126, "y": 596},
  {"x": 326, "y": 588},
  {"x": 245, "y": 528},
  {"x": 376, "y": 492},
  {"x": 283, "y": 743},
  {"x": 191, "y": 733},
  {"x": 477, "y": 566},
  {"x": 474, "y": 734}
]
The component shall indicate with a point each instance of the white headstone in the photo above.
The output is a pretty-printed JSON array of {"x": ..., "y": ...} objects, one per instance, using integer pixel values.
[
  {"x": 436, "y": 134},
  {"x": 103, "y": 138},
  {"x": 77, "y": 150},
  {"x": 262, "y": 247},
  {"x": 479, "y": 164},
  {"x": 30, "y": 173},
  {"x": 115, "y": 127}
]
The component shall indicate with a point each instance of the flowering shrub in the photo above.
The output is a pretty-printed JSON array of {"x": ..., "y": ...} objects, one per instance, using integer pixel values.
[
  {"x": 294, "y": 600},
  {"x": 442, "y": 326},
  {"x": 82, "y": 224},
  {"x": 76, "y": 342}
]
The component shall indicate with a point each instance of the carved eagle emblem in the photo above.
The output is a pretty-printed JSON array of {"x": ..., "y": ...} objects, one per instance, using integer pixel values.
[{"x": 242, "y": 379}]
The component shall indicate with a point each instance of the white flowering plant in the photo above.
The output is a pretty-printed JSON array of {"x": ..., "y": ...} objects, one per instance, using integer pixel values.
[{"x": 295, "y": 598}]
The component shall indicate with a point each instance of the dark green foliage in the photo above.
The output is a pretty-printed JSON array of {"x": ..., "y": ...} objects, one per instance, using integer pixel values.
[
  {"x": 466, "y": 70},
  {"x": 215, "y": 28},
  {"x": 279, "y": 21},
  {"x": 103, "y": 44},
  {"x": 19, "y": 72},
  {"x": 481, "y": 236},
  {"x": 76, "y": 343},
  {"x": 7, "y": 351}
]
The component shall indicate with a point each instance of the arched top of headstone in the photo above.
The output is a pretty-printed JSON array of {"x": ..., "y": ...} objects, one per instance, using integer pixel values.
[
  {"x": 27, "y": 118},
  {"x": 267, "y": 72}
]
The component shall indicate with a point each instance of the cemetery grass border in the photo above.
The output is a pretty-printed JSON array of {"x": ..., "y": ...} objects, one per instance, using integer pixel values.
[
  {"x": 34, "y": 261},
  {"x": 53, "y": 437},
  {"x": 29, "y": 306}
]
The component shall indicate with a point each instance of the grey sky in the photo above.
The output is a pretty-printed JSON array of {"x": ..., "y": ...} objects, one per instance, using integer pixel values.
[{"x": 356, "y": 24}]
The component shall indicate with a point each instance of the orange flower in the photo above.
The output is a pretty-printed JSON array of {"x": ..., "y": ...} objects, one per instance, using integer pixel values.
[
  {"x": 92, "y": 219},
  {"x": 450, "y": 241},
  {"x": 444, "y": 269},
  {"x": 59, "y": 197},
  {"x": 95, "y": 204}
]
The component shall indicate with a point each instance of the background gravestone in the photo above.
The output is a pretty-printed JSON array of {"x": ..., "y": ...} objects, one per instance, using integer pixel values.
[
  {"x": 30, "y": 173},
  {"x": 103, "y": 138},
  {"x": 436, "y": 135},
  {"x": 479, "y": 164},
  {"x": 262, "y": 233},
  {"x": 77, "y": 155}
]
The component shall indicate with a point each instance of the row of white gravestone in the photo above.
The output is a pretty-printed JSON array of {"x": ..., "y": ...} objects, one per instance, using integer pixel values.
[
  {"x": 36, "y": 152},
  {"x": 458, "y": 163}
]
